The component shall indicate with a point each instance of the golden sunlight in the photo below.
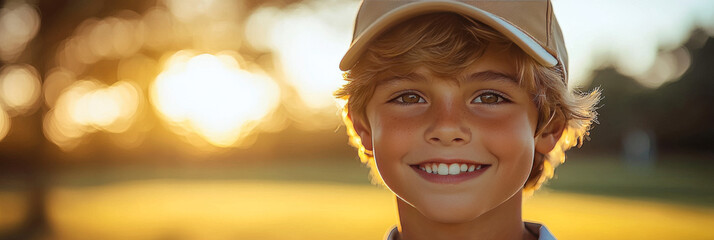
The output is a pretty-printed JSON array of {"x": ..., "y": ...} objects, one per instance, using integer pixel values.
[
  {"x": 212, "y": 97},
  {"x": 88, "y": 106},
  {"x": 248, "y": 209},
  {"x": 309, "y": 61},
  {"x": 103, "y": 108}
]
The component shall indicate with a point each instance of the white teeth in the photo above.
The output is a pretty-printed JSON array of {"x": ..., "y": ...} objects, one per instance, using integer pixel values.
[
  {"x": 454, "y": 169},
  {"x": 449, "y": 169},
  {"x": 443, "y": 169}
]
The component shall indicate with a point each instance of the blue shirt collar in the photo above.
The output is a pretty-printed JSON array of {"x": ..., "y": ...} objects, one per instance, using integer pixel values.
[{"x": 543, "y": 232}]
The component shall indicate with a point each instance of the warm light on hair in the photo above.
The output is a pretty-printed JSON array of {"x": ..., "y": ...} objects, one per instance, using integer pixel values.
[{"x": 446, "y": 44}]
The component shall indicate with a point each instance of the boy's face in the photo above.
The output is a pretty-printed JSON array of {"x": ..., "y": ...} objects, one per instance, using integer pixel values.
[{"x": 481, "y": 118}]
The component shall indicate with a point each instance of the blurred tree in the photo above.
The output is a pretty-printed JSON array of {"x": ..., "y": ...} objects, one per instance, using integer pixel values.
[
  {"x": 27, "y": 156},
  {"x": 26, "y": 153},
  {"x": 681, "y": 112},
  {"x": 678, "y": 113}
]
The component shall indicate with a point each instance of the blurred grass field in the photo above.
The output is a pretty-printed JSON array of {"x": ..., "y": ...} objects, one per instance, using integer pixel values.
[
  {"x": 219, "y": 209},
  {"x": 300, "y": 201}
]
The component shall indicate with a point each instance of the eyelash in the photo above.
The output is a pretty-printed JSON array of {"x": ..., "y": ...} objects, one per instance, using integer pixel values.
[
  {"x": 397, "y": 101},
  {"x": 500, "y": 98}
]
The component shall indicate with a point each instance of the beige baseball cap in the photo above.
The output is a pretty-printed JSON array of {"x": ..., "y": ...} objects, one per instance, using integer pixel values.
[{"x": 530, "y": 24}]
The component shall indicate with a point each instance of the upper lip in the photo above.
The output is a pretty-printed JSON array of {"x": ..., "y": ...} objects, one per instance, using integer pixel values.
[{"x": 449, "y": 161}]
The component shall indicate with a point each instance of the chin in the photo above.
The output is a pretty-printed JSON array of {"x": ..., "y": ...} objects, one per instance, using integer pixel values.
[
  {"x": 451, "y": 210},
  {"x": 452, "y": 217}
]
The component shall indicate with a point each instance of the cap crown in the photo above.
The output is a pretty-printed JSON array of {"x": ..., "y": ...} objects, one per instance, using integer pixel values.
[{"x": 531, "y": 18}]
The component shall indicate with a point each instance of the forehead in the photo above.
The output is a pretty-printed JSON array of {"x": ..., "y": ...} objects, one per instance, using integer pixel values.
[
  {"x": 496, "y": 63},
  {"x": 421, "y": 75}
]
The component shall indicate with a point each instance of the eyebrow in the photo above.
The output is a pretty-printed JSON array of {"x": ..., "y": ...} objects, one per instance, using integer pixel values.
[
  {"x": 411, "y": 77},
  {"x": 479, "y": 76},
  {"x": 491, "y": 76}
]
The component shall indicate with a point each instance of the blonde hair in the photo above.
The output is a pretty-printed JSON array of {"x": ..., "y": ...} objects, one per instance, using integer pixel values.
[{"x": 446, "y": 43}]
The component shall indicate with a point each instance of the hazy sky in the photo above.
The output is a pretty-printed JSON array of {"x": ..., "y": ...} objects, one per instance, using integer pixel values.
[{"x": 627, "y": 34}]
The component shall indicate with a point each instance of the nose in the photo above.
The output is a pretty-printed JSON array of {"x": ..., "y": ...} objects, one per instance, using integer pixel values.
[{"x": 448, "y": 127}]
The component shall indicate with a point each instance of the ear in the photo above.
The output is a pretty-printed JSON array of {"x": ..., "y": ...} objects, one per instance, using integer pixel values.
[
  {"x": 550, "y": 134},
  {"x": 360, "y": 125}
]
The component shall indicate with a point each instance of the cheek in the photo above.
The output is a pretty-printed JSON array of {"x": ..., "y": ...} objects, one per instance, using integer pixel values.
[
  {"x": 387, "y": 134},
  {"x": 510, "y": 140},
  {"x": 393, "y": 138}
]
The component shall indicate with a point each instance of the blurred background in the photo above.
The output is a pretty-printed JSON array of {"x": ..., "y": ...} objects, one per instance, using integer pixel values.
[{"x": 213, "y": 119}]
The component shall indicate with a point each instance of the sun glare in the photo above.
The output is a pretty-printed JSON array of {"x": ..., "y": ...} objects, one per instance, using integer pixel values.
[
  {"x": 211, "y": 96},
  {"x": 309, "y": 62}
]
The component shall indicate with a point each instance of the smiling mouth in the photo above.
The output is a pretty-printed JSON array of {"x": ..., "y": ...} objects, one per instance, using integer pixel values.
[
  {"x": 449, "y": 169},
  {"x": 449, "y": 173}
]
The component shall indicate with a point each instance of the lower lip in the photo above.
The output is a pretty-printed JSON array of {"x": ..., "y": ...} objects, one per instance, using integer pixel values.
[{"x": 450, "y": 179}]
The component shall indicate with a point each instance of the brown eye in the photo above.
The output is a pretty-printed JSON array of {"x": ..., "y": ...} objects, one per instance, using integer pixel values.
[
  {"x": 489, "y": 98},
  {"x": 410, "y": 98}
]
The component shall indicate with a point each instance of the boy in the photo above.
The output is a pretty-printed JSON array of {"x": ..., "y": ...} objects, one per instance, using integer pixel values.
[{"x": 460, "y": 108}]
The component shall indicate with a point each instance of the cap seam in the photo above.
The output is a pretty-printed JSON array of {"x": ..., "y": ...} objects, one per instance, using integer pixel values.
[{"x": 548, "y": 23}]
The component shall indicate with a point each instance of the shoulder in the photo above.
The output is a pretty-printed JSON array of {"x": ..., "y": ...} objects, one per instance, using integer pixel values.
[
  {"x": 392, "y": 234},
  {"x": 540, "y": 230}
]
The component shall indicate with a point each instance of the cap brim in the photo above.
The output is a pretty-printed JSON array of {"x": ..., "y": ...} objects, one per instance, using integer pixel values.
[{"x": 525, "y": 42}]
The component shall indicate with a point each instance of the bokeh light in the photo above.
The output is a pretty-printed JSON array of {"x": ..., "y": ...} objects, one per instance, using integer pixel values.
[
  {"x": 189, "y": 11},
  {"x": 213, "y": 97},
  {"x": 208, "y": 24},
  {"x": 668, "y": 66},
  {"x": 19, "y": 88},
  {"x": 55, "y": 82},
  {"x": 309, "y": 40},
  {"x": 113, "y": 37},
  {"x": 88, "y": 106},
  {"x": 104, "y": 107},
  {"x": 160, "y": 28},
  {"x": 19, "y": 23},
  {"x": 4, "y": 123}
]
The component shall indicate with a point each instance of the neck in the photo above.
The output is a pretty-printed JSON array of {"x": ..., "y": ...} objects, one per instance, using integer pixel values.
[{"x": 502, "y": 222}]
